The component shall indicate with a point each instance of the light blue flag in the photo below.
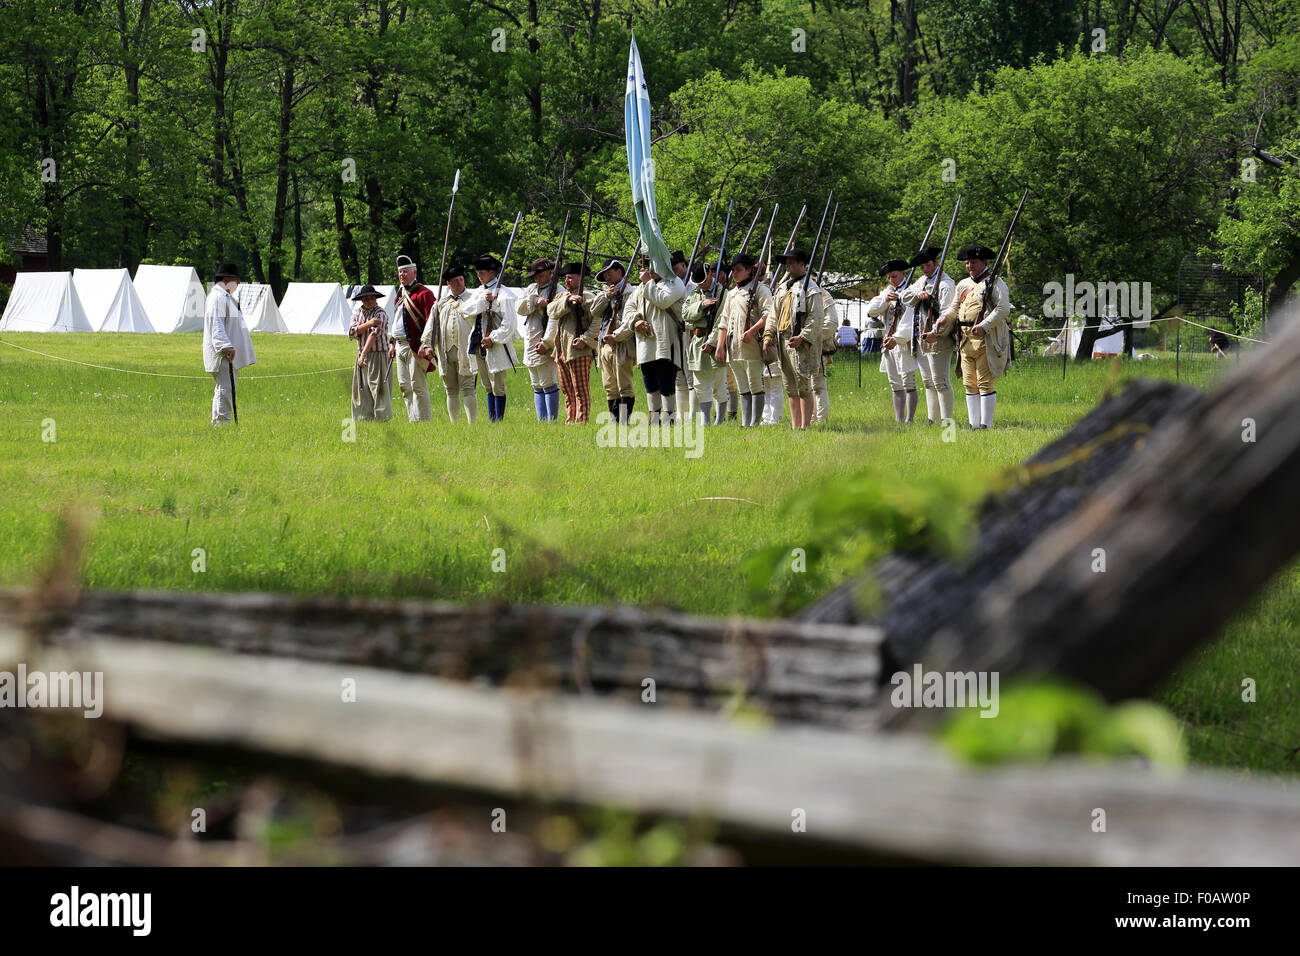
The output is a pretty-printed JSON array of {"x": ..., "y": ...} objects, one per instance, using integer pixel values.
[{"x": 640, "y": 167}]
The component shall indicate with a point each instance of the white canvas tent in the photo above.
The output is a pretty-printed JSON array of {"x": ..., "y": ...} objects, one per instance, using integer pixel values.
[
  {"x": 109, "y": 300},
  {"x": 261, "y": 314},
  {"x": 315, "y": 308},
  {"x": 172, "y": 297},
  {"x": 44, "y": 302}
]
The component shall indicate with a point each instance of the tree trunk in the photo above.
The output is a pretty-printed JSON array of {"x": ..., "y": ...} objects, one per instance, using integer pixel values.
[{"x": 275, "y": 252}]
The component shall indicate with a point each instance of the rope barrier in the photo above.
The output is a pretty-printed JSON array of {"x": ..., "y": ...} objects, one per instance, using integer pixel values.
[{"x": 133, "y": 371}]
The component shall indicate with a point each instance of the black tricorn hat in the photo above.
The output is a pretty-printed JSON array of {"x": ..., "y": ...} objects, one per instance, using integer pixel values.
[
  {"x": 453, "y": 272},
  {"x": 928, "y": 254},
  {"x": 404, "y": 260},
  {"x": 798, "y": 254},
  {"x": 227, "y": 270},
  {"x": 893, "y": 265},
  {"x": 575, "y": 269},
  {"x": 702, "y": 269},
  {"x": 488, "y": 261},
  {"x": 364, "y": 291},
  {"x": 744, "y": 259},
  {"x": 540, "y": 266},
  {"x": 977, "y": 251},
  {"x": 612, "y": 264},
  {"x": 677, "y": 257}
]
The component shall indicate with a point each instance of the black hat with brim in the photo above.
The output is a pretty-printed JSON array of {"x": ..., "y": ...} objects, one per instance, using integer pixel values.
[
  {"x": 488, "y": 262},
  {"x": 227, "y": 270},
  {"x": 453, "y": 272},
  {"x": 612, "y": 264},
  {"x": 366, "y": 291},
  {"x": 540, "y": 266},
  {"x": 797, "y": 254},
  {"x": 744, "y": 259},
  {"x": 928, "y": 254},
  {"x": 404, "y": 262},
  {"x": 977, "y": 252},
  {"x": 678, "y": 258},
  {"x": 893, "y": 265},
  {"x": 575, "y": 269}
]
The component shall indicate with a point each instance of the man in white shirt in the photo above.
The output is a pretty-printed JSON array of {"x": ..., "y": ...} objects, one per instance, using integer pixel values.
[{"x": 227, "y": 346}]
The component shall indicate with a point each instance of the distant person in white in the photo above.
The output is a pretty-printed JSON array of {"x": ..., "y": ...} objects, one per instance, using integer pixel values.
[{"x": 226, "y": 343}]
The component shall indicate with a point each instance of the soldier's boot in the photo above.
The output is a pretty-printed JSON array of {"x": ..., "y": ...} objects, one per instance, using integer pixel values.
[
  {"x": 706, "y": 413},
  {"x": 746, "y": 410},
  {"x": 539, "y": 403},
  {"x": 553, "y": 403},
  {"x": 912, "y": 401},
  {"x": 973, "y": 409},
  {"x": 987, "y": 404},
  {"x": 900, "y": 405}
]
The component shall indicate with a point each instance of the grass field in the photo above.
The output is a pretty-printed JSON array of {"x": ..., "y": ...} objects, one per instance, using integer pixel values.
[{"x": 284, "y": 503}]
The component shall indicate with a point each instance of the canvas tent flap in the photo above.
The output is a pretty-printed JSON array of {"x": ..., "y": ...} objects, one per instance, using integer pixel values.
[
  {"x": 172, "y": 297},
  {"x": 315, "y": 308},
  {"x": 261, "y": 314},
  {"x": 44, "y": 302},
  {"x": 109, "y": 300}
]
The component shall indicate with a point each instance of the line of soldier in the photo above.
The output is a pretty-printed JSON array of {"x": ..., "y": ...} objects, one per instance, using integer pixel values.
[
  {"x": 707, "y": 344},
  {"x": 931, "y": 318}
]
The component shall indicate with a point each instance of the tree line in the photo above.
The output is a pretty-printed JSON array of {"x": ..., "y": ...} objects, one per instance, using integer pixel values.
[{"x": 314, "y": 142}]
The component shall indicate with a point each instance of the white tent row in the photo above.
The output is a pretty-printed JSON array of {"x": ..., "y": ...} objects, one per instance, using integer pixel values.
[
  {"x": 44, "y": 302},
  {"x": 172, "y": 296},
  {"x": 109, "y": 300},
  {"x": 256, "y": 302}
]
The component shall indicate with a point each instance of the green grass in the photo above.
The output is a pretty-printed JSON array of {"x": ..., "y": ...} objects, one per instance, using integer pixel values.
[{"x": 283, "y": 503}]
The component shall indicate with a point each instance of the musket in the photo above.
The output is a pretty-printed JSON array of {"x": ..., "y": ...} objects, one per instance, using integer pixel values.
[
  {"x": 932, "y": 304},
  {"x": 776, "y": 274},
  {"x": 582, "y": 275},
  {"x": 455, "y": 188},
  {"x": 765, "y": 249},
  {"x": 753, "y": 222},
  {"x": 898, "y": 306},
  {"x": 616, "y": 301},
  {"x": 796, "y": 323},
  {"x": 690, "y": 264},
  {"x": 714, "y": 291},
  {"x": 990, "y": 284},
  {"x": 821, "y": 266},
  {"x": 496, "y": 288},
  {"x": 559, "y": 254}
]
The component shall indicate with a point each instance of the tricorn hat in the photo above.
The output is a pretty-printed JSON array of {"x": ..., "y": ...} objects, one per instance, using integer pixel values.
[
  {"x": 575, "y": 269},
  {"x": 928, "y": 254},
  {"x": 977, "y": 251},
  {"x": 364, "y": 292},
  {"x": 678, "y": 258},
  {"x": 488, "y": 261},
  {"x": 798, "y": 254},
  {"x": 453, "y": 272},
  {"x": 227, "y": 270},
  {"x": 893, "y": 265},
  {"x": 612, "y": 264},
  {"x": 744, "y": 259},
  {"x": 540, "y": 266},
  {"x": 404, "y": 261}
]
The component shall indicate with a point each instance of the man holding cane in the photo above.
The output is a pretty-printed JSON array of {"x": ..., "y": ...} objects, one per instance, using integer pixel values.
[{"x": 227, "y": 346}]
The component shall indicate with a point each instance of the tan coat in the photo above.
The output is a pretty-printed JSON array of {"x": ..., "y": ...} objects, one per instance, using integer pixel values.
[
  {"x": 738, "y": 316},
  {"x": 965, "y": 308},
  {"x": 564, "y": 322}
]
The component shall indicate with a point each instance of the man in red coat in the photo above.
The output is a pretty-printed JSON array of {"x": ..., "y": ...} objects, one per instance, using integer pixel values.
[{"x": 413, "y": 303}]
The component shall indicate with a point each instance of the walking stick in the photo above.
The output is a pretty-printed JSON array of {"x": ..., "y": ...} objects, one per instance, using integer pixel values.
[{"x": 234, "y": 405}]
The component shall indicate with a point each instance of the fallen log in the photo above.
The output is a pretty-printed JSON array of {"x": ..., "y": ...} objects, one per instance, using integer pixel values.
[{"x": 880, "y": 796}]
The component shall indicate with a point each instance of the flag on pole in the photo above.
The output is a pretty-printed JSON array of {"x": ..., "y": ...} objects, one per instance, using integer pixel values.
[{"x": 640, "y": 167}]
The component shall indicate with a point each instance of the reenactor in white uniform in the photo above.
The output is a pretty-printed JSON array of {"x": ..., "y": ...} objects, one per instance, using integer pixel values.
[
  {"x": 936, "y": 351},
  {"x": 227, "y": 346},
  {"x": 985, "y": 348},
  {"x": 446, "y": 341},
  {"x": 682, "y": 387},
  {"x": 795, "y": 329},
  {"x": 746, "y": 312},
  {"x": 617, "y": 359},
  {"x": 656, "y": 321},
  {"x": 493, "y": 312},
  {"x": 542, "y": 371},
  {"x": 700, "y": 312},
  {"x": 899, "y": 349}
]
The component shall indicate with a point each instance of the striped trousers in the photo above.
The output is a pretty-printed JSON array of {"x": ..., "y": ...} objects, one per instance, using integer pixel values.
[{"x": 575, "y": 383}]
